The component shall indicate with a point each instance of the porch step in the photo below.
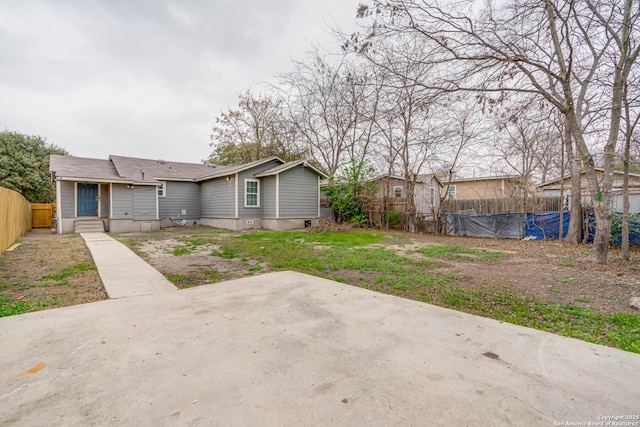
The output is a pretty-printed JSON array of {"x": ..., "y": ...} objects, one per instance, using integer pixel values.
[{"x": 88, "y": 226}]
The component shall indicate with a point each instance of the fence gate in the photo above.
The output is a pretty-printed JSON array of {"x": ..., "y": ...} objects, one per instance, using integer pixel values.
[{"x": 42, "y": 215}]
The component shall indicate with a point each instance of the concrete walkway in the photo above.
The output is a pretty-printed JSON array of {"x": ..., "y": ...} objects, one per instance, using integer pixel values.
[
  {"x": 289, "y": 349},
  {"x": 123, "y": 273}
]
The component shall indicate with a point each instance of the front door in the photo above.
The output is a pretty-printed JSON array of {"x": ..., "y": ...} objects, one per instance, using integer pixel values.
[{"x": 87, "y": 199}]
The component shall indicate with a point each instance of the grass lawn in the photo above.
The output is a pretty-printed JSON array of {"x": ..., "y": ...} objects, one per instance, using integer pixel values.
[
  {"x": 392, "y": 263},
  {"x": 47, "y": 271}
]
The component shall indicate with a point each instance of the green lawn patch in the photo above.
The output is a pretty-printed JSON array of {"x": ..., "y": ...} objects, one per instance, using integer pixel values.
[
  {"x": 459, "y": 252},
  {"x": 69, "y": 271},
  {"x": 9, "y": 307}
]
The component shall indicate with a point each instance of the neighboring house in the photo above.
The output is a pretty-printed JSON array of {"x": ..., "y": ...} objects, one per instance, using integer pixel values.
[
  {"x": 552, "y": 189},
  {"x": 125, "y": 194},
  {"x": 426, "y": 192},
  {"x": 491, "y": 187}
]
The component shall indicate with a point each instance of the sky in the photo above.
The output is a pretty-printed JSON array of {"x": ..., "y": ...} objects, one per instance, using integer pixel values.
[{"x": 147, "y": 78}]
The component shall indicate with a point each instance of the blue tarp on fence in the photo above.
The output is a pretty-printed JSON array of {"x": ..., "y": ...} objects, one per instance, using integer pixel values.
[
  {"x": 538, "y": 225},
  {"x": 545, "y": 225},
  {"x": 497, "y": 226}
]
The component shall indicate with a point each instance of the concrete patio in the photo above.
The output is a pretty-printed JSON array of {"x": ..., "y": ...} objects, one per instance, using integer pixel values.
[{"x": 291, "y": 349}]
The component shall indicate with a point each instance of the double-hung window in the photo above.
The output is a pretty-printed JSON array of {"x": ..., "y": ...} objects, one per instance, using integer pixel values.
[
  {"x": 251, "y": 193},
  {"x": 162, "y": 189}
]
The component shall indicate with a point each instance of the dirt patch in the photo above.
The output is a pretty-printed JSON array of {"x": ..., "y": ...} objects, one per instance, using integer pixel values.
[
  {"x": 546, "y": 270},
  {"x": 47, "y": 271},
  {"x": 187, "y": 258}
]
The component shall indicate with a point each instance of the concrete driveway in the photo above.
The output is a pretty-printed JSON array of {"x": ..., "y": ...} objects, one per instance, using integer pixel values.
[{"x": 294, "y": 350}]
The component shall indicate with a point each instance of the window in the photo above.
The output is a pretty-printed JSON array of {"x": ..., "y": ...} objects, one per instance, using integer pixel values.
[
  {"x": 251, "y": 193},
  {"x": 451, "y": 191},
  {"x": 397, "y": 191},
  {"x": 162, "y": 189},
  {"x": 432, "y": 198}
]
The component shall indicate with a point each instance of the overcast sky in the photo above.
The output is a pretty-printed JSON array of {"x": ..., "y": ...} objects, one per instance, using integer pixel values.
[{"x": 146, "y": 78}]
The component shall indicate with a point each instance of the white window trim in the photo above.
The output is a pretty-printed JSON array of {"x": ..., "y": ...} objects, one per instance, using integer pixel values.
[
  {"x": 277, "y": 196},
  {"x": 164, "y": 189},
  {"x": 246, "y": 181},
  {"x": 59, "y": 205},
  {"x": 452, "y": 191},
  {"x": 395, "y": 187}
]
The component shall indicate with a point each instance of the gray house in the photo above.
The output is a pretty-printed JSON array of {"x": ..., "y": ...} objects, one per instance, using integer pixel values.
[
  {"x": 393, "y": 193},
  {"x": 129, "y": 194}
]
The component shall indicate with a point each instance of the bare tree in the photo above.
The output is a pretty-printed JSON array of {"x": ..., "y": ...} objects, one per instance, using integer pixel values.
[
  {"x": 410, "y": 120},
  {"x": 467, "y": 131},
  {"x": 332, "y": 104},
  {"x": 258, "y": 128},
  {"x": 525, "y": 134},
  {"x": 566, "y": 51}
]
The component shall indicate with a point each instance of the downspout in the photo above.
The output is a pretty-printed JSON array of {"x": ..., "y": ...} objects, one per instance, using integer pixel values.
[
  {"x": 110, "y": 201},
  {"x": 319, "y": 196}
]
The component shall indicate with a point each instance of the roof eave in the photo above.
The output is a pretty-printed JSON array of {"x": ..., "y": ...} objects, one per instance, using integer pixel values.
[
  {"x": 88, "y": 179},
  {"x": 241, "y": 168},
  {"x": 159, "y": 178},
  {"x": 291, "y": 166}
]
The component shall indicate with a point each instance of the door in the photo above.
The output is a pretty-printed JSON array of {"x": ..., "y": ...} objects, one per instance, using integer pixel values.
[{"x": 87, "y": 199}]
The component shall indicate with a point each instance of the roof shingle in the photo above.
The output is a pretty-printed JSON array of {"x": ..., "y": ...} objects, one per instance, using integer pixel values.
[{"x": 83, "y": 168}]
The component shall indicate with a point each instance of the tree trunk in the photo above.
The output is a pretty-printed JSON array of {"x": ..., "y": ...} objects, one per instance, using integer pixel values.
[
  {"x": 603, "y": 208},
  {"x": 575, "y": 203},
  {"x": 411, "y": 203},
  {"x": 624, "y": 244},
  {"x": 600, "y": 196}
]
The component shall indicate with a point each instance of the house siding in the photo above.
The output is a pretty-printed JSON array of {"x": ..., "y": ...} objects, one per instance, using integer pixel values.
[
  {"x": 180, "y": 196},
  {"x": 216, "y": 198},
  {"x": 67, "y": 202},
  {"x": 497, "y": 188},
  {"x": 298, "y": 193},
  {"x": 122, "y": 201},
  {"x": 144, "y": 202},
  {"x": 386, "y": 187},
  {"x": 104, "y": 200},
  {"x": 423, "y": 197},
  {"x": 250, "y": 174},
  {"x": 268, "y": 196}
]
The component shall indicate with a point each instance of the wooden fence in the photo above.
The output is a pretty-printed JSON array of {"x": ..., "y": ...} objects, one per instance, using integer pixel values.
[
  {"x": 499, "y": 206},
  {"x": 15, "y": 217},
  {"x": 42, "y": 215}
]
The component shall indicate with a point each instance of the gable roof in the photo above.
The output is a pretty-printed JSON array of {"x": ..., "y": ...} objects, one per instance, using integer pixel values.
[
  {"x": 230, "y": 170},
  {"x": 286, "y": 166},
  {"x": 146, "y": 171}
]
